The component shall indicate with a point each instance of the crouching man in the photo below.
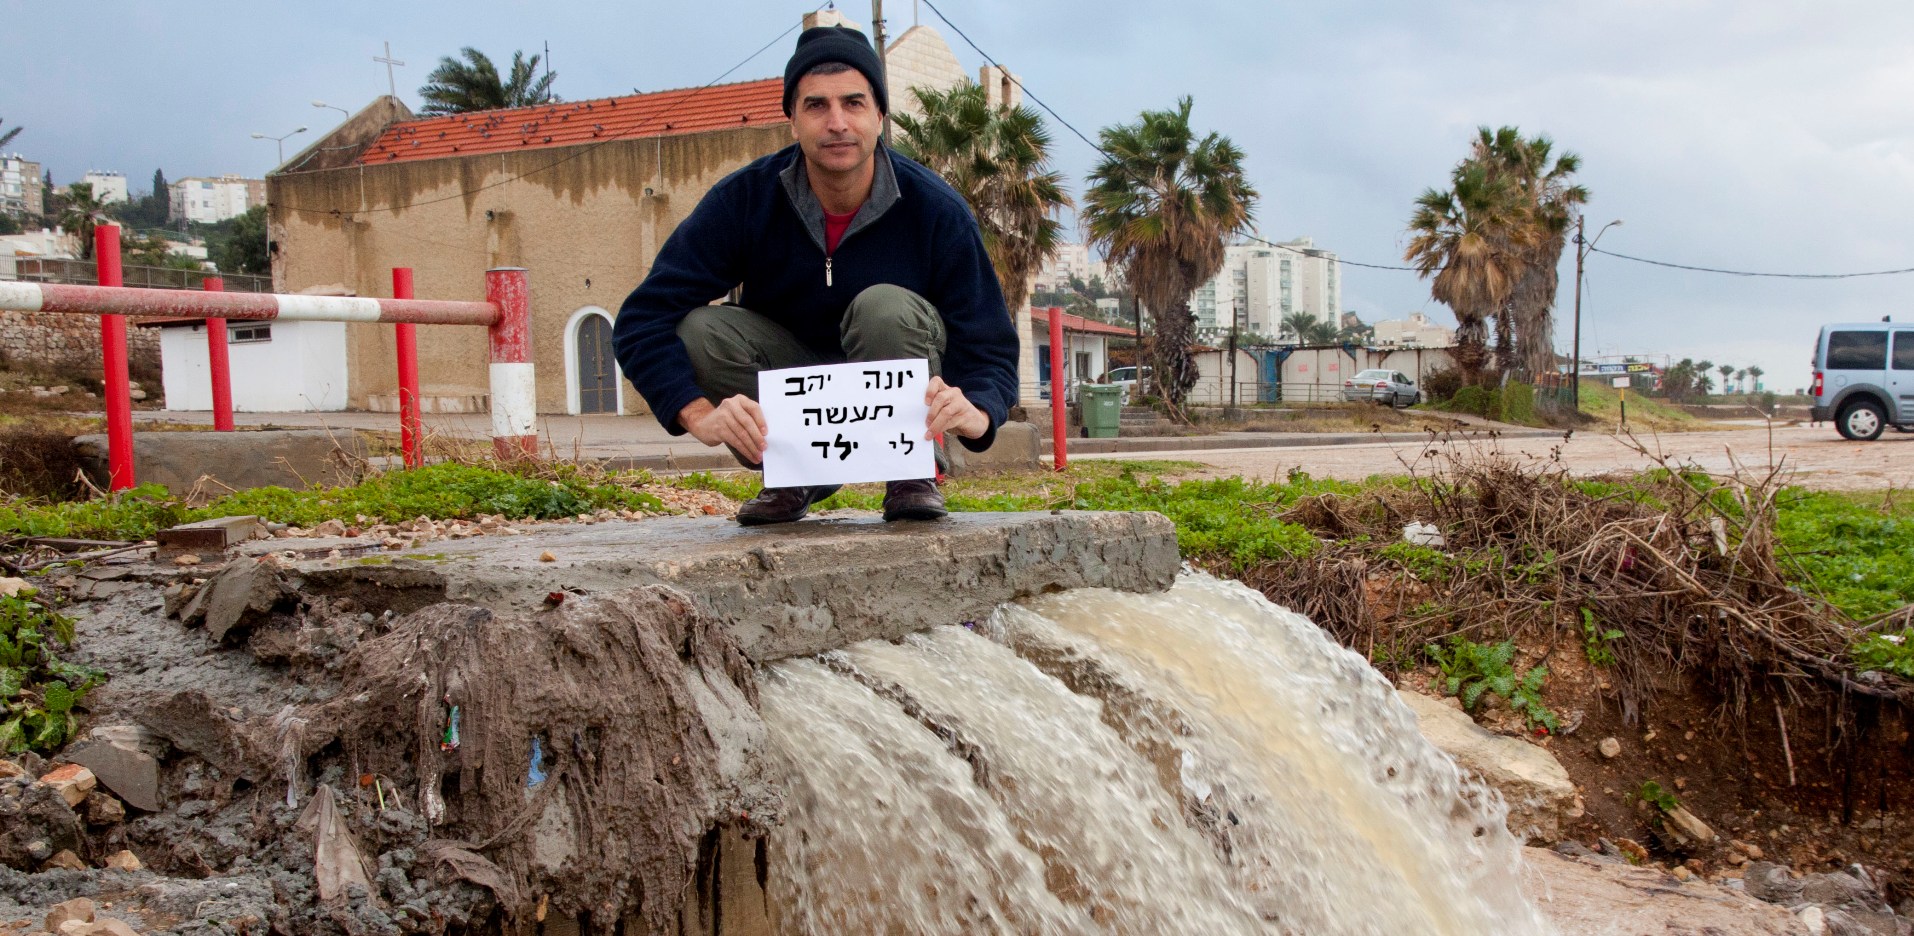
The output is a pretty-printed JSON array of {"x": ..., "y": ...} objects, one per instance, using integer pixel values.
[{"x": 840, "y": 251}]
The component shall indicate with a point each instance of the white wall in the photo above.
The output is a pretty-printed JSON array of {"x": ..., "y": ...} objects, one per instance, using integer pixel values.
[
  {"x": 1309, "y": 374},
  {"x": 302, "y": 369}
]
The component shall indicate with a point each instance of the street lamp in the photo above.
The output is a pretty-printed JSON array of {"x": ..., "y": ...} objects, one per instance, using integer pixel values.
[
  {"x": 1582, "y": 248},
  {"x": 333, "y": 107},
  {"x": 281, "y": 141}
]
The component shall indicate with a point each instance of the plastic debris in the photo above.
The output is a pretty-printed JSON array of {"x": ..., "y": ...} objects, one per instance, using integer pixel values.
[
  {"x": 450, "y": 742},
  {"x": 337, "y": 861},
  {"x": 1423, "y": 534},
  {"x": 536, "y": 775}
]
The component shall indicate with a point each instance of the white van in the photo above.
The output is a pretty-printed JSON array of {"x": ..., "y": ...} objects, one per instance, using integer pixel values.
[{"x": 1864, "y": 378}]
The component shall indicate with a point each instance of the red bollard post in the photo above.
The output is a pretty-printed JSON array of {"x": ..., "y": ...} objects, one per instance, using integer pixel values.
[
  {"x": 1056, "y": 389},
  {"x": 119, "y": 390},
  {"x": 410, "y": 428},
  {"x": 514, "y": 386},
  {"x": 216, "y": 357}
]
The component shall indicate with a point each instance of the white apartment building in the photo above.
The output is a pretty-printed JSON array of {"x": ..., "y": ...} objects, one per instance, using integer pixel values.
[
  {"x": 1072, "y": 260},
  {"x": 20, "y": 185},
  {"x": 1260, "y": 284},
  {"x": 1416, "y": 331},
  {"x": 210, "y": 201},
  {"x": 108, "y": 187}
]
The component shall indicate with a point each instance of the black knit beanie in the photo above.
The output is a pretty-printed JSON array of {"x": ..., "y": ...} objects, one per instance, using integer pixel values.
[{"x": 821, "y": 44}]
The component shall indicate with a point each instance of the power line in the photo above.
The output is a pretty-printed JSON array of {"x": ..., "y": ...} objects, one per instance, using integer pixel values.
[
  {"x": 1701, "y": 269},
  {"x": 1379, "y": 266},
  {"x": 578, "y": 151},
  {"x": 1106, "y": 153}
]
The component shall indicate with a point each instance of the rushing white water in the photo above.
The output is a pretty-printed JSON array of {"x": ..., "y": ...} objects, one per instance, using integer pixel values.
[{"x": 1198, "y": 761}]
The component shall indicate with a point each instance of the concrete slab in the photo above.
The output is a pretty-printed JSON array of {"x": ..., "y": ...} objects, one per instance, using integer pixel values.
[
  {"x": 790, "y": 590},
  {"x": 294, "y": 458}
]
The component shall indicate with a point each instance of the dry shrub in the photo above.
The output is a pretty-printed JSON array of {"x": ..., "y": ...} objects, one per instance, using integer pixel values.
[
  {"x": 37, "y": 462},
  {"x": 1684, "y": 563}
]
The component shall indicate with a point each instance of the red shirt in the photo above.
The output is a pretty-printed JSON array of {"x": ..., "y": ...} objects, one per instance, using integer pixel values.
[{"x": 834, "y": 227}]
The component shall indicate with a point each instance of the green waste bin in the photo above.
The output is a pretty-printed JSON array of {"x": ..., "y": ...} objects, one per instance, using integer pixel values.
[{"x": 1102, "y": 409}]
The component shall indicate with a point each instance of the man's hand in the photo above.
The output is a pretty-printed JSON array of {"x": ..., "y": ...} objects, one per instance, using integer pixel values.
[
  {"x": 737, "y": 422},
  {"x": 949, "y": 410}
]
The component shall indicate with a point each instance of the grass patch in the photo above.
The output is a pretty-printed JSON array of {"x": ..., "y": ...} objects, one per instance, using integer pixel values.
[
  {"x": 1603, "y": 403},
  {"x": 1857, "y": 550},
  {"x": 444, "y": 491}
]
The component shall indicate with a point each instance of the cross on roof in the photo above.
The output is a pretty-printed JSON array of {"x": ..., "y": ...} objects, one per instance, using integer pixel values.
[{"x": 391, "y": 84}]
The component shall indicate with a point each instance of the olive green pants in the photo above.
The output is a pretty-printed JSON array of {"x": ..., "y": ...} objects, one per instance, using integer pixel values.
[{"x": 729, "y": 345}]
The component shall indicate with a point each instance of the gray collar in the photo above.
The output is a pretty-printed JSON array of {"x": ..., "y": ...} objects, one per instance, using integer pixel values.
[{"x": 884, "y": 194}]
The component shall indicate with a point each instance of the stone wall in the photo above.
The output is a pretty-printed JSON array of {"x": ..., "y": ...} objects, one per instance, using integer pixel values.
[{"x": 52, "y": 341}]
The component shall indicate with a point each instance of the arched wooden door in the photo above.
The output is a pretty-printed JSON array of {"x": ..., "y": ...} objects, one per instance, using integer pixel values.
[{"x": 597, "y": 371}]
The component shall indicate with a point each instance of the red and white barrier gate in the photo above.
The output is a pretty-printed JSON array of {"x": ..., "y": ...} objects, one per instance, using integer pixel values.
[{"x": 505, "y": 313}]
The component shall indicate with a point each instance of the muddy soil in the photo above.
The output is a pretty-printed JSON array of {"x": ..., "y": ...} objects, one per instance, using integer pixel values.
[{"x": 332, "y": 764}]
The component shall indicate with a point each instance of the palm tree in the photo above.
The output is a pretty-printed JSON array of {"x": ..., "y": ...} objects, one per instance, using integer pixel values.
[
  {"x": 1162, "y": 204},
  {"x": 472, "y": 85},
  {"x": 1726, "y": 371},
  {"x": 8, "y": 135},
  {"x": 81, "y": 214},
  {"x": 1308, "y": 329},
  {"x": 1756, "y": 373},
  {"x": 1466, "y": 238},
  {"x": 1550, "y": 206},
  {"x": 996, "y": 158},
  {"x": 1741, "y": 380}
]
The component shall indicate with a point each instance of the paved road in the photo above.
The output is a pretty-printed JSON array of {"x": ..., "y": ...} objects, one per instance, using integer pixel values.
[{"x": 1817, "y": 457}]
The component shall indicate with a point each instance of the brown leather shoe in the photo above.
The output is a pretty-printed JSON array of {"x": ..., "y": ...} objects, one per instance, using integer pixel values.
[
  {"x": 782, "y": 505},
  {"x": 913, "y": 500}
]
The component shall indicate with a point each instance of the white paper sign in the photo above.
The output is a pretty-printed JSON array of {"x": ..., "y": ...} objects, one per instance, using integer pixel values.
[{"x": 846, "y": 423}]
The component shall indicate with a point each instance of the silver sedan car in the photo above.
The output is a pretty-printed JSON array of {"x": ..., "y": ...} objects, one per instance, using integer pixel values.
[{"x": 1381, "y": 386}]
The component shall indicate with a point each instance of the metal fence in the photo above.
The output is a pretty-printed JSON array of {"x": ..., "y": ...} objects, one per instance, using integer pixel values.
[{"x": 86, "y": 273}]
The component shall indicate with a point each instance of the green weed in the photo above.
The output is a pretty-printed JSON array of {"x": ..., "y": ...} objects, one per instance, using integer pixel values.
[
  {"x": 1595, "y": 640},
  {"x": 1471, "y": 670},
  {"x": 38, "y": 690},
  {"x": 1886, "y": 653}
]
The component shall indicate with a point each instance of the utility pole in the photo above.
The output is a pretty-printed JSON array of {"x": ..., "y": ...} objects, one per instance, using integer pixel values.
[
  {"x": 1575, "y": 359},
  {"x": 1582, "y": 248},
  {"x": 877, "y": 36},
  {"x": 1235, "y": 322}
]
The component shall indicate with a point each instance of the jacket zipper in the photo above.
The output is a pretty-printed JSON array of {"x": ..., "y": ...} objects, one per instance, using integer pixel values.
[{"x": 827, "y": 271}]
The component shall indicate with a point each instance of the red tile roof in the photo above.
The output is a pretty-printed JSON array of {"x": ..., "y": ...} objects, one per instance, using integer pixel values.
[
  {"x": 571, "y": 123},
  {"x": 1077, "y": 323}
]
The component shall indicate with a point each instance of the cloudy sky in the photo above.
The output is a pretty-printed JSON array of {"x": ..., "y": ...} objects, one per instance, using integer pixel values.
[{"x": 1744, "y": 134}]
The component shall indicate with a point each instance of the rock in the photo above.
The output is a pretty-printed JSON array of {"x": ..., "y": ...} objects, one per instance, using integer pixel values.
[
  {"x": 131, "y": 773},
  {"x": 186, "y": 559},
  {"x": 547, "y": 556},
  {"x": 1749, "y": 849},
  {"x": 79, "y": 908},
  {"x": 122, "y": 860},
  {"x": 1686, "y": 827},
  {"x": 11, "y": 587},
  {"x": 133, "y": 736},
  {"x": 1682, "y": 873},
  {"x": 1814, "y": 920},
  {"x": 107, "y": 927},
  {"x": 242, "y": 594},
  {"x": 10, "y": 769},
  {"x": 1852, "y": 922},
  {"x": 1583, "y": 897},
  {"x": 1771, "y": 882},
  {"x": 36, "y": 822},
  {"x": 138, "y": 395},
  {"x": 67, "y": 860},
  {"x": 72, "y": 781},
  {"x": 1539, "y": 793},
  {"x": 331, "y": 528},
  {"x": 1837, "y": 888},
  {"x": 103, "y": 809},
  {"x": 1610, "y": 748}
]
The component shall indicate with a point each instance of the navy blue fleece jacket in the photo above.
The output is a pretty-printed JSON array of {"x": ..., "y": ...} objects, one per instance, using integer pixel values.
[{"x": 761, "y": 229}]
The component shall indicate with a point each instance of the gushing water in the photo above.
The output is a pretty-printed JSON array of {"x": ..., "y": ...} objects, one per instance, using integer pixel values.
[{"x": 1198, "y": 761}]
